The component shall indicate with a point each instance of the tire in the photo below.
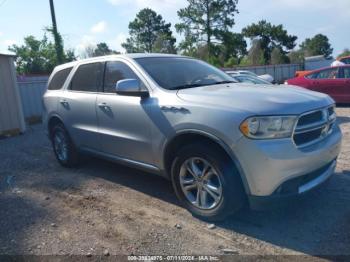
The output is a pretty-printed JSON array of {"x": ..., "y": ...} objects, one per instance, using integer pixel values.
[
  {"x": 221, "y": 176},
  {"x": 65, "y": 151}
]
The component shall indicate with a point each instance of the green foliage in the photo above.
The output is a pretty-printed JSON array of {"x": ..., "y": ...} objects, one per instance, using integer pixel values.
[
  {"x": 346, "y": 52},
  {"x": 317, "y": 45},
  {"x": 270, "y": 36},
  {"x": 103, "y": 49},
  {"x": 255, "y": 55},
  {"x": 233, "y": 47},
  {"x": 61, "y": 58},
  {"x": 278, "y": 57},
  {"x": 37, "y": 56},
  {"x": 231, "y": 62},
  {"x": 205, "y": 22},
  {"x": 149, "y": 31},
  {"x": 164, "y": 44},
  {"x": 296, "y": 57}
]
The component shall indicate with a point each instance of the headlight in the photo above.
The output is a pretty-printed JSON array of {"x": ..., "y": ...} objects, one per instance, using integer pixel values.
[{"x": 268, "y": 127}]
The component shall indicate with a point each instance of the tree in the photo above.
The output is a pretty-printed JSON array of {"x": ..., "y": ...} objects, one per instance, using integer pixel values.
[
  {"x": 233, "y": 47},
  {"x": 205, "y": 21},
  {"x": 277, "y": 57},
  {"x": 164, "y": 44},
  {"x": 296, "y": 57},
  {"x": 147, "y": 30},
  {"x": 317, "y": 45},
  {"x": 103, "y": 49},
  {"x": 270, "y": 36},
  {"x": 255, "y": 55},
  {"x": 346, "y": 52},
  {"x": 37, "y": 56},
  {"x": 88, "y": 51}
]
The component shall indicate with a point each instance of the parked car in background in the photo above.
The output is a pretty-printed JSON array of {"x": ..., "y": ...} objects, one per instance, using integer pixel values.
[
  {"x": 333, "y": 81},
  {"x": 250, "y": 79},
  {"x": 345, "y": 59},
  {"x": 218, "y": 141},
  {"x": 265, "y": 77}
]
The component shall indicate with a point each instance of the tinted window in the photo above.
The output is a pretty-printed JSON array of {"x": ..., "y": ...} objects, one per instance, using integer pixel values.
[
  {"x": 88, "y": 78},
  {"x": 176, "y": 73},
  {"x": 59, "y": 78},
  {"x": 312, "y": 76},
  {"x": 116, "y": 71},
  {"x": 328, "y": 74},
  {"x": 345, "y": 60},
  {"x": 346, "y": 72}
]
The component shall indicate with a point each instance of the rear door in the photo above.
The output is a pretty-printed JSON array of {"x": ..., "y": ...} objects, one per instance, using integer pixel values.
[{"x": 77, "y": 105}]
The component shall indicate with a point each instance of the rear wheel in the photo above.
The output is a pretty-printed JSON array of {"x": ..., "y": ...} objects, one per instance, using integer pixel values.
[
  {"x": 63, "y": 147},
  {"x": 206, "y": 182}
]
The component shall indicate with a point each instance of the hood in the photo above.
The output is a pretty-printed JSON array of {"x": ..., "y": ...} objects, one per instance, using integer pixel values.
[{"x": 257, "y": 99}]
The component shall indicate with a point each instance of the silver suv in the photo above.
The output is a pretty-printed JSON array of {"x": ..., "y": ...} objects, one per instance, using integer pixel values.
[{"x": 219, "y": 142}]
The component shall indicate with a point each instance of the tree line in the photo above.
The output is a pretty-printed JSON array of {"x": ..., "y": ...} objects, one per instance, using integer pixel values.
[{"x": 205, "y": 27}]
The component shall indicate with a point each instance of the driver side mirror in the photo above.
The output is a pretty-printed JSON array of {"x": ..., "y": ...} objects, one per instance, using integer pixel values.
[{"x": 130, "y": 87}]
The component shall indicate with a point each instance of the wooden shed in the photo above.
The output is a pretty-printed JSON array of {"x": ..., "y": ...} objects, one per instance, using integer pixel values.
[{"x": 11, "y": 113}]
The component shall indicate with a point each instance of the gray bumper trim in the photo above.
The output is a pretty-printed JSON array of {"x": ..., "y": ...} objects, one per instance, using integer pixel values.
[{"x": 318, "y": 180}]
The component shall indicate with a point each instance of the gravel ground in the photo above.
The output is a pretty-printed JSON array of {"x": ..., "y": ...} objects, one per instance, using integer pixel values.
[{"x": 102, "y": 208}]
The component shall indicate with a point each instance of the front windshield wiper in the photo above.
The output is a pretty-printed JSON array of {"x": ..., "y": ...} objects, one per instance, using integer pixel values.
[
  {"x": 198, "y": 85},
  {"x": 224, "y": 82},
  {"x": 185, "y": 86}
]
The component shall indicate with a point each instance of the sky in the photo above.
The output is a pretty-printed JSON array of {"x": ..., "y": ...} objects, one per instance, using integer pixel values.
[{"x": 84, "y": 23}]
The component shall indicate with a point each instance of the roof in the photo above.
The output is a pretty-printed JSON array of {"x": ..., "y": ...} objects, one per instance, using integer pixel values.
[
  {"x": 11, "y": 55},
  {"x": 127, "y": 56}
]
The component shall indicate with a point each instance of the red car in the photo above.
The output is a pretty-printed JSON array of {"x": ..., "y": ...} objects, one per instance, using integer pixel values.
[{"x": 333, "y": 81}]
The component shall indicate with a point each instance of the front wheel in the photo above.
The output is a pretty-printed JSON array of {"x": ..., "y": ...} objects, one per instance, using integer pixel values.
[{"x": 206, "y": 182}]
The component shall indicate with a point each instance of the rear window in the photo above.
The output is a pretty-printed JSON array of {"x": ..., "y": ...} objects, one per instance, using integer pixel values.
[{"x": 59, "y": 78}]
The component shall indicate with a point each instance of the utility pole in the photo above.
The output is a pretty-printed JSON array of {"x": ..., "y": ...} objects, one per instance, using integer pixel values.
[{"x": 56, "y": 35}]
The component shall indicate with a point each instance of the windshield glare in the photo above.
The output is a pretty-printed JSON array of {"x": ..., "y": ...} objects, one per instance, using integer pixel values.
[{"x": 177, "y": 73}]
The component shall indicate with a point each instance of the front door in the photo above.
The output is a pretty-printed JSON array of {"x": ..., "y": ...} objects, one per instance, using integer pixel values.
[
  {"x": 124, "y": 122},
  {"x": 328, "y": 82}
]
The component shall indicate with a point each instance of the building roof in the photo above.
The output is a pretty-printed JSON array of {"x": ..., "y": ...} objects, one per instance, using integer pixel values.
[{"x": 3, "y": 54}]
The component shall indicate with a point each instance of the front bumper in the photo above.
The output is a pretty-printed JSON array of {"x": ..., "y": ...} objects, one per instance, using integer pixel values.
[
  {"x": 268, "y": 164},
  {"x": 293, "y": 189}
]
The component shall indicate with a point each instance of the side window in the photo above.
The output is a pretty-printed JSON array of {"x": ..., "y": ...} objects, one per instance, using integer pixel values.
[
  {"x": 88, "y": 78},
  {"x": 116, "y": 71},
  {"x": 345, "y": 60},
  {"x": 346, "y": 72},
  {"x": 312, "y": 76},
  {"x": 58, "y": 79},
  {"x": 328, "y": 74}
]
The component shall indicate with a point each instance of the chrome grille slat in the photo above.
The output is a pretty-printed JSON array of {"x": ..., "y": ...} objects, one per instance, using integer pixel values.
[{"x": 314, "y": 126}]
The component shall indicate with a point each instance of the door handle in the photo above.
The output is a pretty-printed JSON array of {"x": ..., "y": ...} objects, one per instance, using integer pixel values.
[
  {"x": 103, "y": 106},
  {"x": 64, "y": 102}
]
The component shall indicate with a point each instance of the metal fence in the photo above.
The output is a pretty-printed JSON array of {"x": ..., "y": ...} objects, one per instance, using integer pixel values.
[
  {"x": 31, "y": 91},
  {"x": 279, "y": 72}
]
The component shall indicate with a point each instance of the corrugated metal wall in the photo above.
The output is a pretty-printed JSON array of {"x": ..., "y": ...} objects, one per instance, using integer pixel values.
[
  {"x": 32, "y": 89},
  {"x": 11, "y": 113},
  {"x": 279, "y": 72}
]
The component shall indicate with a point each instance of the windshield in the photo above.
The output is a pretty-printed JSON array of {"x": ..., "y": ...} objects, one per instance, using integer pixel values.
[{"x": 179, "y": 72}]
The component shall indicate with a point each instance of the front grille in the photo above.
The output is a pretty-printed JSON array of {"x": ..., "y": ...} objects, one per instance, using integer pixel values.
[
  {"x": 310, "y": 118},
  {"x": 313, "y": 126}
]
